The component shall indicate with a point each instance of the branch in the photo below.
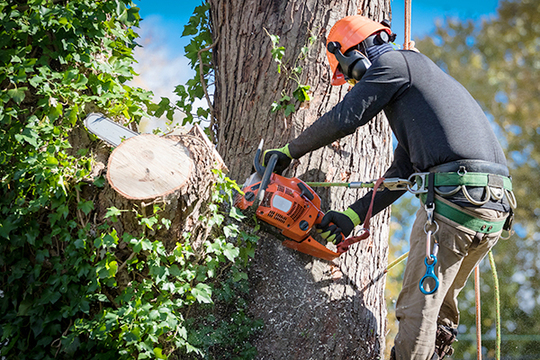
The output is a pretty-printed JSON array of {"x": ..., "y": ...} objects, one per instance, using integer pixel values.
[{"x": 203, "y": 82}]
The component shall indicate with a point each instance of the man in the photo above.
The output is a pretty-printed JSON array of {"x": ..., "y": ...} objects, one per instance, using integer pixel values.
[{"x": 440, "y": 130}]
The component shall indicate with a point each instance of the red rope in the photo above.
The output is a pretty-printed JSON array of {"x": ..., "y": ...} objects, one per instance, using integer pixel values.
[{"x": 344, "y": 245}]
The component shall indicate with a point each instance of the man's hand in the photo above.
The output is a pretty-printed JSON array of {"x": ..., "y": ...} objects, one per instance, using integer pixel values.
[
  {"x": 284, "y": 158},
  {"x": 336, "y": 225}
]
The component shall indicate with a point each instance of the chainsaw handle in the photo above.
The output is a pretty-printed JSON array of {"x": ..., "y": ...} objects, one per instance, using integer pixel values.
[
  {"x": 267, "y": 174},
  {"x": 261, "y": 170}
]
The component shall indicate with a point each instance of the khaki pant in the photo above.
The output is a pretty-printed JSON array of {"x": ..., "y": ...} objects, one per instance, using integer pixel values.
[{"x": 419, "y": 314}]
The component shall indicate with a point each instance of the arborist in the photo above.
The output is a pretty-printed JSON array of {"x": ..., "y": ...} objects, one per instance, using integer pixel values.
[{"x": 446, "y": 144}]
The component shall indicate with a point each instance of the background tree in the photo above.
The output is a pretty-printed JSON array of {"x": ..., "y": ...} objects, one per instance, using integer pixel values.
[
  {"x": 497, "y": 61},
  {"x": 269, "y": 85}
]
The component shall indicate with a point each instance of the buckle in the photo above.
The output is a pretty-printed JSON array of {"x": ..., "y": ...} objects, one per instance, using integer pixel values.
[{"x": 420, "y": 181}]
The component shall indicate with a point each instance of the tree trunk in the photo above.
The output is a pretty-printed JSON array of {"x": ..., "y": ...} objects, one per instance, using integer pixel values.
[
  {"x": 312, "y": 309},
  {"x": 172, "y": 172}
]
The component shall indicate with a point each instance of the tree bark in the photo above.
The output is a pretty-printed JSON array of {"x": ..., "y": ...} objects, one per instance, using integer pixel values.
[{"x": 312, "y": 309}]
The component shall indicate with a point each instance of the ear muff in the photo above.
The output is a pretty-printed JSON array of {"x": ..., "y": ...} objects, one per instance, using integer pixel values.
[{"x": 353, "y": 63}]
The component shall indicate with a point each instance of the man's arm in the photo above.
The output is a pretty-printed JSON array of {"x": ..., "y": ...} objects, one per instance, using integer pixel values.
[
  {"x": 401, "y": 168},
  {"x": 383, "y": 81}
]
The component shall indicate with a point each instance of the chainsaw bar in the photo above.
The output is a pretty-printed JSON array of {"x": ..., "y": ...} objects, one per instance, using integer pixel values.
[{"x": 108, "y": 130}]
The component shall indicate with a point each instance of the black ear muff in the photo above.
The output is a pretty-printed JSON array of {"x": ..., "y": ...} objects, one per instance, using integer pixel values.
[{"x": 353, "y": 63}]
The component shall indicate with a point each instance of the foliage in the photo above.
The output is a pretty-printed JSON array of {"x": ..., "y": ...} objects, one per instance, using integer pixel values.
[
  {"x": 160, "y": 312},
  {"x": 199, "y": 29},
  {"x": 62, "y": 293},
  {"x": 292, "y": 73},
  {"x": 496, "y": 60}
]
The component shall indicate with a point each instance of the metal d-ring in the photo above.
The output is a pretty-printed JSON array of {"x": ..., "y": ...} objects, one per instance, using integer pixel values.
[
  {"x": 473, "y": 201},
  {"x": 448, "y": 193},
  {"x": 496, "y": 196},
  {"x": 511, "y": 199}
]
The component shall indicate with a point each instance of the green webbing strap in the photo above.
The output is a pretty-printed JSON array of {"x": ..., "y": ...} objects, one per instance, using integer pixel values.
[
  {"x": 469, "y": 221},
  {"x": 472, "y": 179}
]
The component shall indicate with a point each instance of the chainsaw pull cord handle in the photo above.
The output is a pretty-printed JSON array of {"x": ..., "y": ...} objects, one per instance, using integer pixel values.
[
  {"x": 267, "y": 174},
  {"x": 344, "y": 245}
]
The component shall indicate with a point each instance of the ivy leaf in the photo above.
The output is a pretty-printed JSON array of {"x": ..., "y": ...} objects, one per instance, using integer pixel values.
[
  {"x": 275, "y": 106},
  {"x": 18, "y": 94},
  {"x": 231, "y": 252},
  {"x": 289, "y": 109},
  {"x": 301, "y": 94},
  {"x": 203, "y": 293},
  {"x": 158, "y": 353},
  {"x": 86, "y": 206},
  {"x": 231, "y": 230},
  {"x": 100, "y": 182},
  {"x": 113, "y": 212}
]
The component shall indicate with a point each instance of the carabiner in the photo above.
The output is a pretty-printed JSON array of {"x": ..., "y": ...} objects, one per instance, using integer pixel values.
[{"x": 430, "y": 274}]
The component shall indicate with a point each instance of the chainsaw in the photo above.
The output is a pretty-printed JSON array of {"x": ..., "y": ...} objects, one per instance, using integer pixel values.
[{"x": 288, "y": 206}]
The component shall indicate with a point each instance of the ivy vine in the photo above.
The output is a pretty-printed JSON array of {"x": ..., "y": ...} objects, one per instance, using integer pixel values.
[{"x": 60, "y": 295}]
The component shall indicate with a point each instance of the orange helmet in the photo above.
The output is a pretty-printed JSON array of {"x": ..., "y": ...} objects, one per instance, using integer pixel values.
[{"x": 349, "y": 32}]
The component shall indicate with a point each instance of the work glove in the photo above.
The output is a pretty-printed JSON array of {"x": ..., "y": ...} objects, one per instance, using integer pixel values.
[
  {"x": 284, "y": 158},
  {"x": 335, "y": 226}
]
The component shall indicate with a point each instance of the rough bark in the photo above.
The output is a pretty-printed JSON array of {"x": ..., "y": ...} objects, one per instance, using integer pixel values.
[{"x": 312, "y": 309}]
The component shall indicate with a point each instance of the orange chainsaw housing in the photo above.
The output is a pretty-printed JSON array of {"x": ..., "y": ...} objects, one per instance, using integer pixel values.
[{"x": 292, "y": 207}]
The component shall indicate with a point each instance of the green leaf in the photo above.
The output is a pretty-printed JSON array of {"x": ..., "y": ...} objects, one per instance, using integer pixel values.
[
  {"x": 113, "y": 212},
  {"x": 99, "y": 182},
  {"x": 86, "y": 206},
  {"x": 18, "y": 94},
  {"x": 158, "y": 353},
  {"x": 289, "y": 109},
  {"x": 231, "y": 230},
  {"x": 231, "y": 252},
  {"x": 203, "y": 293},
  {"x": 301, "y": 93}
]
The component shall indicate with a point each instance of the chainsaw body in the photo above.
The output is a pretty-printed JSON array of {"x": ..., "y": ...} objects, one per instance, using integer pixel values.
[{"x": 287, "y": 204}]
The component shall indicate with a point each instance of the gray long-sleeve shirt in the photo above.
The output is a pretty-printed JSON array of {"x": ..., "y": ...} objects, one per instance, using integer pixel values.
[{"x": 433, "y": 117}]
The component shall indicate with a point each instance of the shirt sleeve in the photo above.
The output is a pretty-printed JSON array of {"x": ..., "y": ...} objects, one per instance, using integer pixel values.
[
  {"x": 383, "y": 81},
  {"x": 402, "y": 168}
]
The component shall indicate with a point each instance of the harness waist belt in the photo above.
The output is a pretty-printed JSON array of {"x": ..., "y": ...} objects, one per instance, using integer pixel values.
[
  {"x": 473, "y": 179},
  {"x": 464, "y": 219},
  {"x": 480, "y": 166}
]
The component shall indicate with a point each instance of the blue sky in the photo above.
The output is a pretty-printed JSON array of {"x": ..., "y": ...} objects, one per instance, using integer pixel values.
[
  {"x": 161, "y": 64},
  {"x": 173, "y": 15}
]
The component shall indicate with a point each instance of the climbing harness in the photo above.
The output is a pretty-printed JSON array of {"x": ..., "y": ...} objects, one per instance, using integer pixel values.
[{"x": 426, "y": 185}]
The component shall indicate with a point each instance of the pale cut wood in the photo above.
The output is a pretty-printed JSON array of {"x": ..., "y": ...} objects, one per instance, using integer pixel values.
[{"x": 149, "y": 166}]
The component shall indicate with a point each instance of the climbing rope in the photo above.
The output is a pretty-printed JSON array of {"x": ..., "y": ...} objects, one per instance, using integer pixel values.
[
  {"x": 478, "y": 312},
  {"x": 407, "y": 33},
  {"x": 497, "y": 307}
]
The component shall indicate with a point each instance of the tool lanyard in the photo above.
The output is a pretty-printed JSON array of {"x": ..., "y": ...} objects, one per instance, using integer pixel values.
[{"x": 431, "y": 254}]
